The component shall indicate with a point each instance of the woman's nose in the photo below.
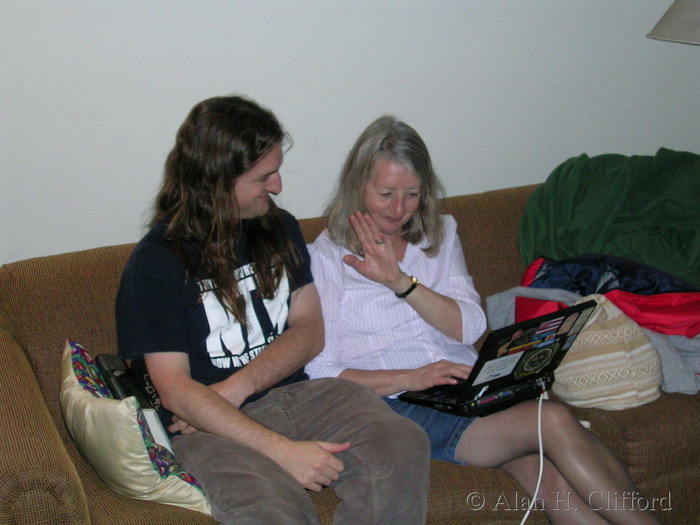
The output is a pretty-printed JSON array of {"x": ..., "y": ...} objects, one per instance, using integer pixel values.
[{"x": 397, "y": 205}]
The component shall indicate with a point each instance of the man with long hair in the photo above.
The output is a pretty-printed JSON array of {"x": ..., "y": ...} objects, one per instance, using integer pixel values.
[{"x": 217, "y": 304}]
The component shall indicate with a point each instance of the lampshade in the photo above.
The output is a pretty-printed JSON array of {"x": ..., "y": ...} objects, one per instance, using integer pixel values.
[{"x": 681, "y": 23}]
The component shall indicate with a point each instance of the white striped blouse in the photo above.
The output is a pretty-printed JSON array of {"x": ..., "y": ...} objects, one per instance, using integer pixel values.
[{"x": 367, "y": 327}]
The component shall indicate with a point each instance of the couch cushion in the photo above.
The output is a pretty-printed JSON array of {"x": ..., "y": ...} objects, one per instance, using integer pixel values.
[{"x": 112, "y": 435}]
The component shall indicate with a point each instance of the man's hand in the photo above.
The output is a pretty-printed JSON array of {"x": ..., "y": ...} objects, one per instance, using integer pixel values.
[
  {"x": 233, "y": 390},
  {"x": 311, "y": 463},
  {"x": 182, "y": 426},
  {"x": 225, "y": 389}
]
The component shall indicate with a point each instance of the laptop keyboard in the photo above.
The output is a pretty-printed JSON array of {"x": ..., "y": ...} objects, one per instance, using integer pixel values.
[{"x": 442, "y": 394}]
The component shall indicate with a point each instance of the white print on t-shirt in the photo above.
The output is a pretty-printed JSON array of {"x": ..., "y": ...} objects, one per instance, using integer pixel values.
[{"x": 231, "y": 345}]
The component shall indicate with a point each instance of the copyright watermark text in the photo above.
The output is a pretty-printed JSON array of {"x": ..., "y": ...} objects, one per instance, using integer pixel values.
[{"x": 564, "y": 501}]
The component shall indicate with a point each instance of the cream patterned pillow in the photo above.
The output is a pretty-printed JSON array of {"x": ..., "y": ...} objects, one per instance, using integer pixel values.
[
  {"x": 612, "y": 364},
  {"x": 112, "y": 435}
]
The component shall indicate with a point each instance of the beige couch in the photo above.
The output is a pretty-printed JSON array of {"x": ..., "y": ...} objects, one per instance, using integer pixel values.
[{"x": 45, "y": 300}]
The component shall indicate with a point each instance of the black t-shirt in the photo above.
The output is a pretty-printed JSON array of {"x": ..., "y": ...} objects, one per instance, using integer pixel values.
[{"x": 161, "y": 307}]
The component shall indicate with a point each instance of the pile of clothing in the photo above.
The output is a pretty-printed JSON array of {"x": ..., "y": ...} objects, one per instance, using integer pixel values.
[{"x": 627, "y": 228}]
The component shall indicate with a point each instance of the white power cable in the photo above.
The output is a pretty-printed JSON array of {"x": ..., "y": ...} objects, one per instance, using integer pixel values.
[{"x": 539, "y": 475}]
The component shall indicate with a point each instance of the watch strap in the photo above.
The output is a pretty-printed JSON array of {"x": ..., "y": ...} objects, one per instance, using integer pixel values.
[{"x": 414, "y": 284}]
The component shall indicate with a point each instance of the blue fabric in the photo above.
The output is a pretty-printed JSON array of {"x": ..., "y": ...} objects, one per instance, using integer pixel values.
[
  {"x": 444, "y": 430},
  {"x": 591, "y": 274}
]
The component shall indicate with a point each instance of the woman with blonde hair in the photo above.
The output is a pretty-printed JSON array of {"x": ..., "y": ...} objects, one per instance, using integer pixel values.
[{"x": 401, "y": 313}]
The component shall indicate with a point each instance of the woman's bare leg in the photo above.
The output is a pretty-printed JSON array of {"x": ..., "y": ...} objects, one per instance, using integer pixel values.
[
  {"x": 555, "y": 496},
  {"x": 584, "y": 462}
]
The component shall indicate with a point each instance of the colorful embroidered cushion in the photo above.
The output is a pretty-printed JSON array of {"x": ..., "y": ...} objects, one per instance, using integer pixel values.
[
  {"x": 612, "y": 364},
  {"x": 112, "y": 436}
]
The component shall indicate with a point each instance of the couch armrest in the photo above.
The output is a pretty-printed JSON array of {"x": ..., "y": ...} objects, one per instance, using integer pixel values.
[{"x": 39, "y": 482}]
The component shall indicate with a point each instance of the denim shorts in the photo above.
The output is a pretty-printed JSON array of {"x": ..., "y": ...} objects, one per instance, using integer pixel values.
[{"x": 444, "y": 430}]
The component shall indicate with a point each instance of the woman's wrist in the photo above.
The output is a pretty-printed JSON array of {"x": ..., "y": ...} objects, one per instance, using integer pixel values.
[
  {"x": 403, "y": 380},
  {"x": 401, "y": 284},
  {"x": 414, "y": 284}
]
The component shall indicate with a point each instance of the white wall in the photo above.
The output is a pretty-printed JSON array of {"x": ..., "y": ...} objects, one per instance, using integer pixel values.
[{"x": 92, "y": 92}]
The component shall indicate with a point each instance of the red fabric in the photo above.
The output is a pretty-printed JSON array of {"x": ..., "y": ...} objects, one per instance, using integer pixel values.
[
  {"x": 529, "y": 308},
  {"x": 531, "y": 272},
  {"x": 666, "y": 313},
  {"x": 676, "y": 313}
]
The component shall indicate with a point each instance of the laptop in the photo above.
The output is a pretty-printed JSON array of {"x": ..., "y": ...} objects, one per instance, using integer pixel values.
[{"x": 515, "y": 363}]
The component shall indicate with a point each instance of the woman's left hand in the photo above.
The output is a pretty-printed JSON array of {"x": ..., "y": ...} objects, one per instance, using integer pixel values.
[
  {"x": 380, "y": 262},
  {"x": 442, "y": 372}
]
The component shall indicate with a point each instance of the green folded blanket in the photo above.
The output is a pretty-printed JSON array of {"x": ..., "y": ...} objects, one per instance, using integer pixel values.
[{"x": 643, "y": 208}]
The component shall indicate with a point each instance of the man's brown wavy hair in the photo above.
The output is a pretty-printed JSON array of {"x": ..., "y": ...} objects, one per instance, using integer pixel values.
[{"x": 221, "y": 139}]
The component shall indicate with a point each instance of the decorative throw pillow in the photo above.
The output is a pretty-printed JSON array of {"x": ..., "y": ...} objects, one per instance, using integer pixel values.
[
  {"x": 112, "y": 436},
  {"x": 612, "y": 364}
]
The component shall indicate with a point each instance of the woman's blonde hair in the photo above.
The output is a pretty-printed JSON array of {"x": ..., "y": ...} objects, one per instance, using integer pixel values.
[{"x": 391, "y": 139}]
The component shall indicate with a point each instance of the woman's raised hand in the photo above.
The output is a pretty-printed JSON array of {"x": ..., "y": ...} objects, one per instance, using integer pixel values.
[{"x": 380, "y": 262}]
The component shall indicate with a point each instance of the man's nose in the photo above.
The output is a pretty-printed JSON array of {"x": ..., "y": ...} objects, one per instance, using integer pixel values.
[{"x": 274, "y": 184}]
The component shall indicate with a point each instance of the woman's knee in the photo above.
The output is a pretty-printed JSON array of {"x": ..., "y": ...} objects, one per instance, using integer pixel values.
[{"x": 556, "y": 417}]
